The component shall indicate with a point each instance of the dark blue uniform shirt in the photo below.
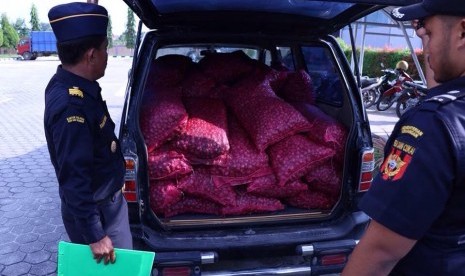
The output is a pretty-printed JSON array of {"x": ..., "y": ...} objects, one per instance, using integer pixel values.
[
  {"x": 83, "y": 148},
  {"x": 420, "y": 190}
]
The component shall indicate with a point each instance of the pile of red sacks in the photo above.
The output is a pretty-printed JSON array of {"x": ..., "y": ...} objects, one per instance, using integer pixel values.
[{"x": 232, "y": 136}]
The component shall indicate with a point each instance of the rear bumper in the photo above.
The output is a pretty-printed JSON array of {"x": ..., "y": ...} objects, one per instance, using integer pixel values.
[{"x": 349, "y": 227}]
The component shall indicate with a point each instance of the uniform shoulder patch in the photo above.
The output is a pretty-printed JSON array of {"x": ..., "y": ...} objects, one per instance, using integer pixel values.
[
  {"x": 75, "y": 119},
  {"x": 76, "y": 92}
]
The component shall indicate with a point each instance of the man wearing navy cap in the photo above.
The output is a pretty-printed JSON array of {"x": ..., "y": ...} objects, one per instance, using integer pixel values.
[
  {"x": 417, "y": 202},
  {"x": 80, "y": 134}
]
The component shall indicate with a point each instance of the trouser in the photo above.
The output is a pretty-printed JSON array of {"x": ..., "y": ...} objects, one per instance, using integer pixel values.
[{"x": 113, "y": 216}]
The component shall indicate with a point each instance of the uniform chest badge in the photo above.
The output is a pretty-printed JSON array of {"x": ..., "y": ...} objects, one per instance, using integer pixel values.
[
  {"x": 395, "y": 164},
  {"x": 113, "y": 146}
]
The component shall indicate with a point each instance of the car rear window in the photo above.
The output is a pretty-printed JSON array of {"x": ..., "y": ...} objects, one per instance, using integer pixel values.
[{"x": 196, "y": 52}]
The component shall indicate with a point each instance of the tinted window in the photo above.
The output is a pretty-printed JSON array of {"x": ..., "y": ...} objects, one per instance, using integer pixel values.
[{"x": 326, "y": 80}]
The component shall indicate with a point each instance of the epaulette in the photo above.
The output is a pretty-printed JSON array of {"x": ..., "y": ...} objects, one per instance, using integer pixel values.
[
  {"x": 435, "y": 102},
  {"x": 76, "y": 96},
  {"x": 74, "y": 91}
]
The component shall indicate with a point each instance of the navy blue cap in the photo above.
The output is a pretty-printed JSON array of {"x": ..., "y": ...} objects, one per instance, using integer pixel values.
[
  {"x": 429, "y": 8},
  {"x": 77, "y": 20}
]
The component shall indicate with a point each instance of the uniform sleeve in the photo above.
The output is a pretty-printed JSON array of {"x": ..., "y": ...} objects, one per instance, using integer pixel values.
[
  {"x": 416, "y": 178},
  {"x": 72, "y": 135}
]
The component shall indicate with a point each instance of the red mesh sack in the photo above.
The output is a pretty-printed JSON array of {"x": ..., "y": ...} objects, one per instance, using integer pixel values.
[
  {"x": 267, "y": 119},
  {"x": 325, "y": 178},
  {"x": 165, "y": 163},
  {"x": 220, "y": 180},
  {"x": 298, "y": 87},
  {"x": 243, "y": 157},
  {"x": 197, "y": 84},
  {"x": 226, "y": 68},
  {"x": 311, "y": 200},
  {"x": 202, "y": 186},
  {"x": 192, "y": 205},
  {"x": 169, "y": 70},
  {"x": 295, "y": 156},
  {"x": 249, "y": 204},
  {"x": 205, "y": 135},
  {"x": 164, "y": 194},
  {"x": 267, "y": 186},
  {"x": 262, "y": 82},
  {"x": 326, "y": 130},
  {"x": 163, "y": 116}
]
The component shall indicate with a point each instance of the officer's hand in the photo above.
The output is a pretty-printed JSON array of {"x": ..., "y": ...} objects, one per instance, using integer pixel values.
[{"x": 103, "y": 249}]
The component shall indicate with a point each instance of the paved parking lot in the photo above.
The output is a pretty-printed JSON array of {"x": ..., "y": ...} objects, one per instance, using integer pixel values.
[{"x": 30, "y": 221}]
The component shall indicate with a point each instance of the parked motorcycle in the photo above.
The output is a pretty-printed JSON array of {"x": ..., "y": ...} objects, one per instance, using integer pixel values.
[
  {"x": 373, "y": 88},
  {"x": 412, "y": 94},
  {"x": 390, "y": 96}
]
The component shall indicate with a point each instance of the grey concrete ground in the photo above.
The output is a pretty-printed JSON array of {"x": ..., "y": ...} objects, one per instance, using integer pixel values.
[{"x": 30, "y": 221}]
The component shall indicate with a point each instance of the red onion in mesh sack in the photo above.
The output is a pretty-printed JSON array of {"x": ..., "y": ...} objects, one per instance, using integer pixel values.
[
  {"x": 197, "y": 84},
  {"x": 243, "y": 157},
  {"x": 312, "y": 200},
  {"x": 267, "y": 119},
  {"x": 205, "y": 135},
  {"x": 192, "y": 205},
  {"x": 226, "y": 68},
  {"x": 267, "y": 186},
  {"x": 202, "y": 186},
  {"x": 295, "y": 156},
  {"x": 165, "y": 163},
  {"x": 220, "y": 180},
  {"x": 169, "y": 70},
  {"x": 325, "y": 178},
  {"x": 163, "y": 194},
  {"x": 326, "y": 130},
  {"x": 162, "y": 117},
  {"x": 298, "y": 87},
  {"x": 249, "y": 204}
]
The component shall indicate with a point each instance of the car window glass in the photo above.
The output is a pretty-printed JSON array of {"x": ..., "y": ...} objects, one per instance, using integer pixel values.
[
  {"x": 326, "y": 80},
  {"x": 196, "y": 52}
]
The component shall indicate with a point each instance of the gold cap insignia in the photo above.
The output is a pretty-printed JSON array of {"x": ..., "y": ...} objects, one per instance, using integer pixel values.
[
  {"x": 74, "y": 91},
  {"x": 113, "y": 146}
]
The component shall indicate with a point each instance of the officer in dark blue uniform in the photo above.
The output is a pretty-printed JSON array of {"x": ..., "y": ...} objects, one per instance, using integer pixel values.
[
  {"x": 80, "y": 134},
  {"x": 417, "y": 202}
]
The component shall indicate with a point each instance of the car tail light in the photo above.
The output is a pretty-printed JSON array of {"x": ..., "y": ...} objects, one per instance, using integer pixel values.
[
  {"x": 130, "y": 183},
  {"x": 367, "y": 167},
  {"x": 176, "y": 271},
  {"x": 333, "y": 259}
]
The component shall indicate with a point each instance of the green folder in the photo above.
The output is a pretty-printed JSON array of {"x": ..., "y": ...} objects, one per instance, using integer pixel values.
[{"x": 77, "y": 260}]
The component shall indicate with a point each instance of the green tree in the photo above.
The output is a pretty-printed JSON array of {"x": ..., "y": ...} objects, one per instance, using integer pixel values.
[
  {"x": 45, "y": 26},
  {"x": 1, "y": 37},
  {"x": 110, "y": 33},
  {"x": 35, "y": 25},
  {"x": 130, "y": 34},
  {"x": 21, "y": 28},
  {"x": 10, "y": 36}
]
